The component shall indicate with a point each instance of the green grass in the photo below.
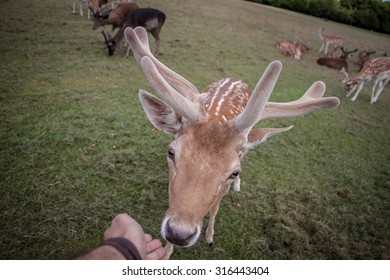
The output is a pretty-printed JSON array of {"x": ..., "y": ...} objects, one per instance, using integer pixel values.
[{"x": 76, "y": 147}]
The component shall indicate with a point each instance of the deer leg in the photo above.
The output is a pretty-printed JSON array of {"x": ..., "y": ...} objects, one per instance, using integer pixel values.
[
  {"x": 326, "y": 47},
  {"x": 128, "y": 50},
  {"x": 156, "y": 34},
  {"x": 322, "y": 46},
  {"x": 376, "y": 85},
  {"x": 213, "y": 213},
  {"x": 381, "y": 86},
  {"x": 237, "y": 184},
  {"x": 81, "y": 9},
  {"x": 210, "y": 228},
  {"x": 169, "y": 249},
  {"x": 357, "y": 92},
  {"x": 74, "y": 7},
  {"x": 157, "y": 49}
]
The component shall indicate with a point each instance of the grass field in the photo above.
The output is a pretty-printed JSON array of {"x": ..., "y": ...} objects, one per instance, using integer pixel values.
[{"x": 76, "y": 147}]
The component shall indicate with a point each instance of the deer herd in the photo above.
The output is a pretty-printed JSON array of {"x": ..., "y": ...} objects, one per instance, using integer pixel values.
[
  {"x": 214, "y": 128},
  {"x": 375, "y": 69},
  {"x": 122, "y": 14}
]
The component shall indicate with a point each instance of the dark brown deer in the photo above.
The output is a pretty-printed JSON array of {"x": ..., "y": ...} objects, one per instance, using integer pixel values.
[
  {"x": 336, "y": 63},
  {"x": 150, "y": 19}
]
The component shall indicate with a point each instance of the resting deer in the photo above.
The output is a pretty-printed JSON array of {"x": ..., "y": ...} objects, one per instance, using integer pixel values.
[
  {"x": 289, "y": 48},
  {"x": 151, "y": 19},
  {"x": 377, "y": 70},
  {"x": 213, "y": 130},
  {"x": 328, "y": 39},
  {"x": 336, "y": 62}
]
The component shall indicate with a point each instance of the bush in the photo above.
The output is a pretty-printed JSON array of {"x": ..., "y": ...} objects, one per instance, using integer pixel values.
[{"x": 368, "y": 14}]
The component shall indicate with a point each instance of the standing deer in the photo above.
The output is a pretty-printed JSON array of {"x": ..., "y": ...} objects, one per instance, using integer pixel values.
[
  {"x": 115, "y": 18},
  {"x": 328, "y": 39},
  {"x": 105, "y": 7},
  {"x": 80, "y": 2},
  {"x": 377, "y": 70},
  {"x": 213, "y": 130},
  {"x": 151, "y": 19}
]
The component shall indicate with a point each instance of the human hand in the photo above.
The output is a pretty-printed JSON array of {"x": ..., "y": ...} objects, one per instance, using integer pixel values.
[{"x": 125, "y": 226}]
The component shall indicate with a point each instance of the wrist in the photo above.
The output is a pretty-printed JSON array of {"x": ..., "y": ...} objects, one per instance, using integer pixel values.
[
  {"x": 128, "y": 250},
  {"x": 104, "y": 252}
]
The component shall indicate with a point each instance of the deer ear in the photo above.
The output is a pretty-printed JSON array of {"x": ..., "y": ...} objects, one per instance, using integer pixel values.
[
  {"x": 259, "y": 135},
  {"x": 161, "y": 115}
]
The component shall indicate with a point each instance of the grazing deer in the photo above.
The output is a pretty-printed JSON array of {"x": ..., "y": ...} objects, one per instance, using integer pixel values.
[
  {"x": 329, "y": 39},
  {"x": 104, "y": 7},
  {"x": 81, "y": 7},
  {"x": 213, "y": 130},
  {"x": 151, "y": 19},
  {"x": 114, "y": 18},
  {"x": 377, "y": 70},
  {"x": 336, "y": 62}
]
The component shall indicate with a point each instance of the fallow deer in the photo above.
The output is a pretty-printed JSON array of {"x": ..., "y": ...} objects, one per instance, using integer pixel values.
[
  {"x": 332, "y": 61},
  {"x": 363, "y": 56},
  {"x": 81, "y": 2},
  {"x": 289, "y": 48},
  {"x": 105, "y": 7},
  {"x": 213, "y": 130},
  {"x": 328, "y": 39},
  {"x": 293, "y": 49},
  {"x": 335, "y": 52},
  {"x": 114, "y": 18},
  {"x": 151, "y": 19},
  {"x": 377, "y": 70}
]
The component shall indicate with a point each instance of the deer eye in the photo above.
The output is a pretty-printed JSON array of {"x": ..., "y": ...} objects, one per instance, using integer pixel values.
[
  {"x": 171, "y": 154},
  {"x": 234, "y": 175}
]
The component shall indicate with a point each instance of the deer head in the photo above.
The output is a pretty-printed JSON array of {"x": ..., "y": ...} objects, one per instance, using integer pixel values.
[
  {"x": 350, "y": 84},
  {"x": 212, "y": 131},
  {"x": 346, "y": 53}
]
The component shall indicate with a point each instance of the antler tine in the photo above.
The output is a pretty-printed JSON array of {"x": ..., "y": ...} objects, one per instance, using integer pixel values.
[
  {"x": 248, "y": 118},
  {"x": 143, "y": 37},
  {"x": 168, "y": 94},
  {"x": 138, "y": 40},
  {"x": 312, "y": 100},
  {"x": 139, "y": 43}
]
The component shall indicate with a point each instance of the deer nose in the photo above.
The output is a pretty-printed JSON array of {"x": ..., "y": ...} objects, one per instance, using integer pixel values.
[{"x": 179, "y": 236}]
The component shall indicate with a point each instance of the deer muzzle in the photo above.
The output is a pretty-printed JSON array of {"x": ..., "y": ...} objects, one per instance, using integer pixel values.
[{"x": 180, "y": 234}]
